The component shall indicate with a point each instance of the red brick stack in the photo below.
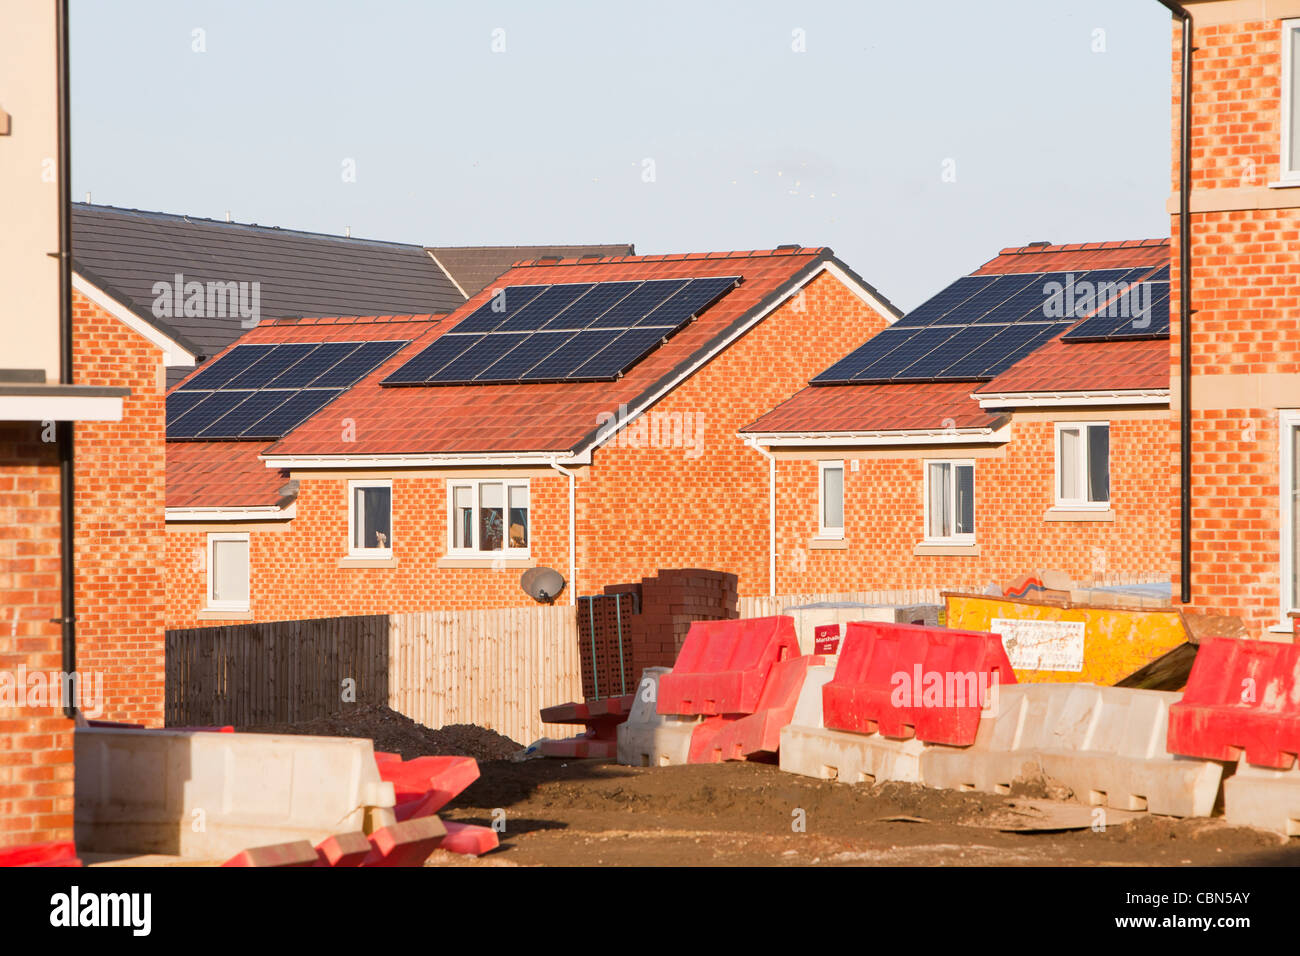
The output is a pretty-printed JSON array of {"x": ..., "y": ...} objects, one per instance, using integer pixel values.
[{"x": 669, "y": 602}]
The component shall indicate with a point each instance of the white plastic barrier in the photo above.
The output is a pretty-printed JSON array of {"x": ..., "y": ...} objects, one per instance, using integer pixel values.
[
  {"x": 210, "y": 795},
  {"x": 1263, "y": 797},
  {"x": 651, "y": 739}
]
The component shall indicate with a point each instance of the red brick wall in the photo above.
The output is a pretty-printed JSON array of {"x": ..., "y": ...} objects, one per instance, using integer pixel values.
[
  {"x": 884, "y": 512},
  {"x": 36, "y": 779},
  {"x": 120, "y": 484}
]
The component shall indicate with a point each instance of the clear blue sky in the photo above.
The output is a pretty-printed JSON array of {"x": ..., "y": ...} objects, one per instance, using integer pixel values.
[{"x": 753, "y": 144}]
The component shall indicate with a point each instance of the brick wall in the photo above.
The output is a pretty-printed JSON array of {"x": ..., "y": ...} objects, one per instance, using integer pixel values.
[
  {"x": 36, "y": 779},
  {"x": 884, "y": 516},
  {"x": 120, "y": 484}
]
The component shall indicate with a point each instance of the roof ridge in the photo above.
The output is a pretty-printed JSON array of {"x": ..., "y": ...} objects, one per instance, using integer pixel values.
[
  {"x": 676, "y": 256},
  {"x": 1082, "y": 246}
]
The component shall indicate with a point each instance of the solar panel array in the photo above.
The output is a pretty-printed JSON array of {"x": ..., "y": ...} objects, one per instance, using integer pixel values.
[
  {"x": 980, "y": 326},
  {"x": 582, "y": 331},
  {"x": 1140, "y": 312},
  {"x": 265, "y": 391}
]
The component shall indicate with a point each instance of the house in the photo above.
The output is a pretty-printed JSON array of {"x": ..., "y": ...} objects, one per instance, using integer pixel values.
[
  {"x": 580, "y": 413},
  {"x": 471, "y": 268},
  {"x": 1017, "y": 420},
  {"x": 1241, "y": 537}
]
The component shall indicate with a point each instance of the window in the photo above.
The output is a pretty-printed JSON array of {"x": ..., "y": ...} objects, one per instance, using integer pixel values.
[
  {"x": 830, "y": 503},
  {"x": 1290, "y": 146},
  {"x": 1290, "y": 487},
  {"x": 370, "y": 519},
  {"x": 228, "y": 571},
  {"x": 488, "y": 517},
  {"x": 950, "y": 502},
  {"x": 1083, "y": 465}
]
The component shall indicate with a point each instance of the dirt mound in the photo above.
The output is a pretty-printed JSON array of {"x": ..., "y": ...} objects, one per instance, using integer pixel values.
[{"x": 397, "y": 733}]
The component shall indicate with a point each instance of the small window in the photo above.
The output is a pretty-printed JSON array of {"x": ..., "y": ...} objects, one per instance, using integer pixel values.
[
  {"x": 1083, "y": 465},
  {"x": 950, "y": 502},
  {"x": 1290, "y": 133},
  {"x": 228, "y": 571},
  {"x": 488, "y": 518},
  {"x": 370, "y": 519},
  {"x": 830, "y": 508}
]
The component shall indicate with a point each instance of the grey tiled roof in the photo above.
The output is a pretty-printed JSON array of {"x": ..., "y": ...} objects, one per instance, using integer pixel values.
[{"x": 473, "y": 267}]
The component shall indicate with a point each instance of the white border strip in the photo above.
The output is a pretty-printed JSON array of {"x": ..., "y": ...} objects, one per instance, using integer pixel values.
[
  {"x": 928, "y": 436},
  {"x": 537, "y": 460},
  {"x": 1141, "y": 396},
  {"x": 252, "y": 513}
]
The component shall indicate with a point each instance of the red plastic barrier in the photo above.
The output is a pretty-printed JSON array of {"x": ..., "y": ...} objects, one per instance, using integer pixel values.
[
  {"x": 343, "y": 849},
  {"x": 702, "y": 737},
  {"x": 580, "y": 748},
  {"x": 1241, "y": 696},
  {"x": 405, "y": 844},
  {"x": 905, "y": 680},
  {"x": 723, "y": 665},
  {"x": 602, "y": 718},
  {"x": 468, "y": 839},
  {"x": 56, "y": 853},
  {"x": 760, "y": 732},
  {"x": 296, "y": 853},
  {"x": 425, "y": 785}
]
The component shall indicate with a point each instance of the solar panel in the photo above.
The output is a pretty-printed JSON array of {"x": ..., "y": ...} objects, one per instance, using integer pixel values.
[
  {"x": 503, "y": 304},
  {"x": 870, "y": 352},
  {"x": 178, "y": 403},
  {"x": 322, "y": 358},
  {"x": 257, "y": 405},
  {"x": 477, "y": 357},
  {"x": 948, "y": 351},
  {"x": 891, "y": 366},
  {"x": 279, "y": 358},
  {"x": 291, "y": 413},
  {"x": 630, "y": 347},
  {"x": 1009, "y": 346},
  {"x": 1141, "y": 313},
  {"x": 439, "y": 352},
  {"x": 591, "y": 306},
  {"x": 227, "y": 367},
  {"x": 638, "y": 303},
  {"x": 698, "y": 295},
  {"x": 545, "y": 307},
  {"x": 993, "y": 295},
  {"x": 573, "y": 353},
  {"x": 933, "y": 309},
  {"x": 357, "y": 365},
  {"x": 524, "y": 356},
  {"x": 214, "y": 406}
]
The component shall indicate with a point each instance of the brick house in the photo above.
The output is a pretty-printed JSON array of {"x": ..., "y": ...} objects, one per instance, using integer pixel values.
[
  {"x": 946, "y": 453},
  {"x": 417, "y": 494},
  {"x": 1244, "y": 257}
]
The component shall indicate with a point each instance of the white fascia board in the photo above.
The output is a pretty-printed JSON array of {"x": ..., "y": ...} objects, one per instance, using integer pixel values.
[
  {"x": 928, "y": 436},
  {"x": 447, "y": 272},
  {"x": 252, "y": 513},
  {"x": 528, "y": 459},
  {"x": 891, "y": 315},
  {"x": 60, "y": 408},
  {"x": 173, "y": 352},
  {"x": 1144, "y": 396}
]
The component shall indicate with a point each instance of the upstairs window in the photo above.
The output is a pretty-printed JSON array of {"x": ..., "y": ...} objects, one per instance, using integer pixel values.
[
  {"x": 488, "y": 518},
  {"x": 370, "y": 519},
  {"x": 228, "y": 571},
  {"x": 950, "y": 502},
  {"x": 1290, "y": 146},
  {"x": 1083, "y": 465},
  {"x": 830, "y": 495}
]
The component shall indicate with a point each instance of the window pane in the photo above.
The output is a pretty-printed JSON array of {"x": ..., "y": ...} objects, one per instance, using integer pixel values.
[
  {"x": 462, "y": 516},
  {"x": 518, "y": 516},
  {"x": 937, "y": 507},
  {"x": 1293, "y": 37},
  {"x": 1067, "y": 464},
  {"x": 372, "y": 517},
  {"x": 1292, "y": 434},
  {"x": 230, "y": 571},
  {"x": 965, "y": 499},
  {"x": 490, "y": 512},
  {"x": 833, "y": 498},
  {"x": 1099, "y": 463}
]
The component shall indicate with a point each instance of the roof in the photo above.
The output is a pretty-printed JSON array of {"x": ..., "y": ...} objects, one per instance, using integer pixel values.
[
  {"x": 1061, "y": 366},
  {"x": 221, "y": 474},
  {"x": 905, "y": 406},
  {"x": 559, "y": 417},
  {"x": 473, "y": 267},
  {"x": 1078, "y": 256},
  {"x": 125, "y": 252}
]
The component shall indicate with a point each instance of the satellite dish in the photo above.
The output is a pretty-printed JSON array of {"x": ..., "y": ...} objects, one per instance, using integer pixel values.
[{"x": 542, "y": 584}]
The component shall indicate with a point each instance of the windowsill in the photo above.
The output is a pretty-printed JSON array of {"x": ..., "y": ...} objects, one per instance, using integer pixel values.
[
  {"x": 460, "y": 561},
  {"x": 1285, "y": 184},
  {"x": 828, "y": 544},
  {"x": 1079, "y": 514},
  {"x": 935, "y": 549},
  {"x": 356, "y": 561},
  {"x": 211, "y": 614}
]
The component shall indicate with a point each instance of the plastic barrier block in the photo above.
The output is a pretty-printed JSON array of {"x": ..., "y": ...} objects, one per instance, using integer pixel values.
[
  {"x": 405, "y": 844},
  {"x": 343, "y": 849},
  {"x": 382, "y": 756},
  {"x": 723, "y": 665},
  {"x": 703, "y": 735},
  {"x": 468, "y": 839},
  {"x": 583, "y": 712},
  {"x": 649, "y": 738},
  {"x": 580, "y": 748},
  {"x": 848, "y": 757},
  {"x": 760, "y": 732},
  {"x": 1263, "y": 797},
  {"x": 294, "y": 853},
  {"x": 1243, "y": 697},
  {"x": 54, "y": 853},
  {"x": 425, "y": 785},
  {"x": 940, "y": 678}
]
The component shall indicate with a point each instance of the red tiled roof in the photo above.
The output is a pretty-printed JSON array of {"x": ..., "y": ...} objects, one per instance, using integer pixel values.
[
  {"x": 1078, "y": 256},
  {"x": 540, "y": 417},
  {"x": 902, "y": 406},
  {"x": 1087, "y": 366},
  {"x": 220, "y": 474}
]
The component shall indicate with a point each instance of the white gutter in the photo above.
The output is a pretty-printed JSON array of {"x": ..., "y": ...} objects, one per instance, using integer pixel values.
[
  {"x": 173, "y": 352},
  {"x": 771, "y": 514},
  {"x": 1118, "y": 396},
  {"x": 917, "y": 436},
  {"x": 251, "y": 513},
  {"x": 573, "y": 511},
  {"x": 526, "y": 459}
]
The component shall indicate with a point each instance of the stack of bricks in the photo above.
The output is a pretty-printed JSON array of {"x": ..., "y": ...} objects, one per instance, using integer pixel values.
[
  {"x": 604, "y": 645},
  {"x": 669, "y": 603}
]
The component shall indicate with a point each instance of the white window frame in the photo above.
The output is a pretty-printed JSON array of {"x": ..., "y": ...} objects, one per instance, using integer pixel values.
[
  {"x": 353, "y": 484},
  {"x": 1288, "y": 431},
  {"x": 1072, "y": 504},
  {"x": 829, "y": 533},
  {"x": 214, "y": 605},
  {"x": 475, "y": 484},
  {"x": 952, "y": 502},
  {"x": 1290, "y": 165}
]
